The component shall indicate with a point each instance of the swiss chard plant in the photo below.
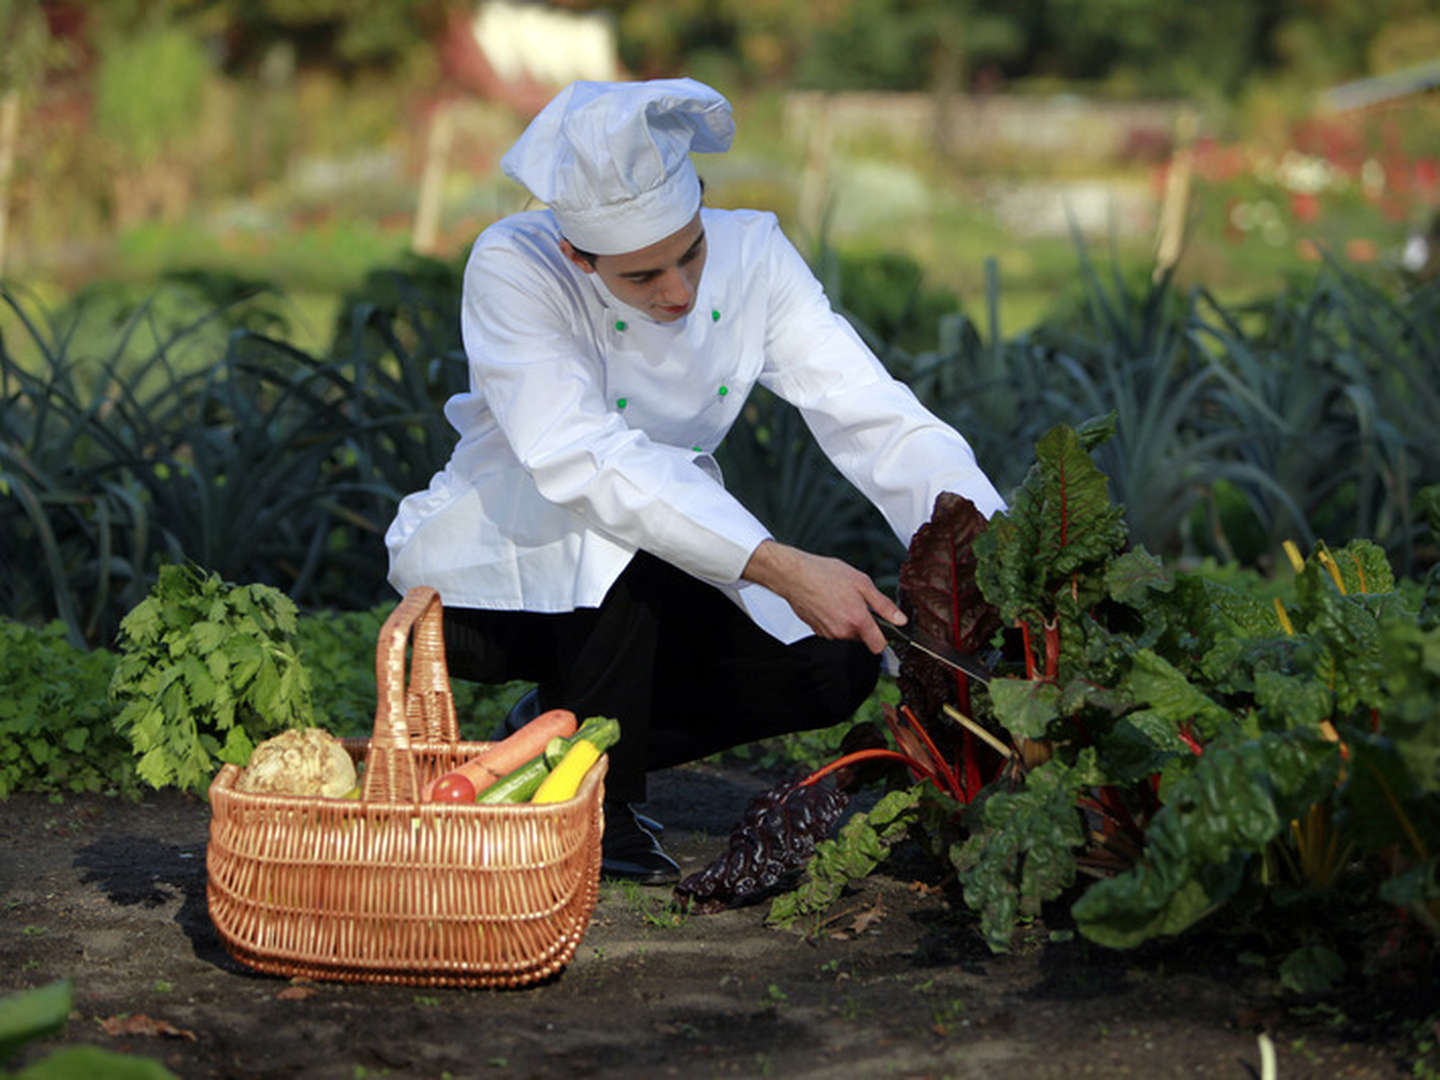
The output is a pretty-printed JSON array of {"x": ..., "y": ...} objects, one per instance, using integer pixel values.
[{"x": 1154, "y": 742}]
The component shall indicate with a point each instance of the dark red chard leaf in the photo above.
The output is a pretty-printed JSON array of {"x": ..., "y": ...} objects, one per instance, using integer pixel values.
[
  {"x": 774, "y": 839},
  {"x": 937, "y": 579},
  {"x": 939, "y": 594}
]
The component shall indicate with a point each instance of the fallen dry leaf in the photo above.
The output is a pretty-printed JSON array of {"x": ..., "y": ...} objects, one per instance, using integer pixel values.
[
  {"x": 140, "y": 1024},
  {"x": 863, "y": 920},
  {"x": 869, "y": 917},
  {"x": 296, "y": 993}
]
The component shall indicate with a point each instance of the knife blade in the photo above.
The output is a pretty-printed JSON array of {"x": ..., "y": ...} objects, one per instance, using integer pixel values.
[{"x": 967, "y": 663}]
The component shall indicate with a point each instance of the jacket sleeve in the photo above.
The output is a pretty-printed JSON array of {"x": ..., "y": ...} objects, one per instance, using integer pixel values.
[
  {"x": 532, "y": 358},
  {"x": 878, "y": 434}
]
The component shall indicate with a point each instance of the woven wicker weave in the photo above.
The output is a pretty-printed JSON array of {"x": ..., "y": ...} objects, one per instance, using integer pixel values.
[{"x": 387, "y": 888}]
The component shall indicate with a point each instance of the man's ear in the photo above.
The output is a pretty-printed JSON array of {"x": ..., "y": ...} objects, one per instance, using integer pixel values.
[{"x": 575, "y": 257}]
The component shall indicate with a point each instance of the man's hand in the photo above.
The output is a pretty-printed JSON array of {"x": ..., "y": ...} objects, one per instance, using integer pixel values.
[{"x": 830, "y": 595}]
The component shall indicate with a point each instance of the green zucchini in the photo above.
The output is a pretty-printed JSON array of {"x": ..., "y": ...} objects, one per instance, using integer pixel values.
[{"x": 517, "y": 785}]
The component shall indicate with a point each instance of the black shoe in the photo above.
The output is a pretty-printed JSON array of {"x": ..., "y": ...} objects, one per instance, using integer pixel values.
[
  {"x": 631, "y": 852},
  {"x": 520, "y": 714}
]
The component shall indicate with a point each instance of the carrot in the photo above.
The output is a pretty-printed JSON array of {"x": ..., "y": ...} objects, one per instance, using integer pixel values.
[{"x": 509, "y": 753}]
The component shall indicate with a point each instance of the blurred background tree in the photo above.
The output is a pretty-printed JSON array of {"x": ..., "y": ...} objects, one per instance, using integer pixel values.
[
  {"x": 297, "y": 130},
  {"x": 29, "y": 53},
  {"x": 218, "y": 340},
  {"x": 149, "y": 98}
]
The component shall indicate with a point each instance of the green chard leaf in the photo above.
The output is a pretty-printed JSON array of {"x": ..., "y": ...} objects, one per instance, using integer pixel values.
[
  {"x": 1025, "y": 706},
  {"x": 1155, "y": 682},
  {"x": 1382, "y": 803},
  {"x": 1415, "y": 888},
  {"x": 1348, "y": 633},
  {"x": 1133, "y": 577},
  {"x": 863, "y": 843},
  {"x": 1410, "y": 688},
  {"x": 1364, "y": 568},
  {"x": 1139, "y": 744},
  {"x": 1023, "y": 853},
  {"x": 1237, "y": 799},
  {"x": 1299, "y": 700},
  {"x": 1060, "y": 521}
]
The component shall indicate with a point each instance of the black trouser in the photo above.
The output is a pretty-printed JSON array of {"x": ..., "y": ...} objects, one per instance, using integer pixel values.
[{"x": 684, "y": 670}]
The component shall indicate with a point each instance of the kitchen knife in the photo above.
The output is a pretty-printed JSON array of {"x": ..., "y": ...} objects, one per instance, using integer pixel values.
[{"x": 968, "y": 663}]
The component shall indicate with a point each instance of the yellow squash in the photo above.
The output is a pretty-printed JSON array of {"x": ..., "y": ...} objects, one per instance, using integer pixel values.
[{"x": 595, "y": 736}]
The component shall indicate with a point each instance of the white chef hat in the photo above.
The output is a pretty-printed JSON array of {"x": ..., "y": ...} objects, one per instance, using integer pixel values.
[{"x": 612, "y": 160}]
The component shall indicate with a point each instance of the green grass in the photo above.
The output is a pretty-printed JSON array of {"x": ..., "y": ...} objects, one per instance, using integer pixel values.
[{"x": 327, "y": 257}]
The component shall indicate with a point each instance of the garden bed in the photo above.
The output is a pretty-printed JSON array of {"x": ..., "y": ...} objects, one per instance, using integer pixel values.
[{"x": 896, "y": 982}]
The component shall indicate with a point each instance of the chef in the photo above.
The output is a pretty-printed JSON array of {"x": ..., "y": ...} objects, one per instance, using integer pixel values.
[{"x": 581, "y": 536}]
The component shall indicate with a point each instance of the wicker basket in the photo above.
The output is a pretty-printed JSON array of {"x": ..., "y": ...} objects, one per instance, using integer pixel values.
[{"x": 386, "y": 888}]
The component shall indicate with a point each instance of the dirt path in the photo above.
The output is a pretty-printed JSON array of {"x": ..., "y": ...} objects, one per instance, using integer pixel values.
[{"x": 898, "y": 985}]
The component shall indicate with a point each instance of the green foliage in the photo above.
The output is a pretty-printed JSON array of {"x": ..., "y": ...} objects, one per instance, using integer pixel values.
[
  {"x": 1408, "y": 692},
  {"x": 1332, "y": 386},
  {"x": 148, "y": 91},
  {"x": 1191, "y": 720},
  {"x": 1060, "y": 523},
  {"x": 56, "y": 730},
  {"x": 874, "y": 45},
  {"x": 1238, "y": 798},
  {"x": 1128, "y": 46},
  {"x": 864, "y": 842},
  {"x": 194, "y": 434},
  {"x": 1312, "y": 969},
  {"x": 1022, "y": 852},
  {"x": 152, "y": 447},
  {"x": 207, "y": 670},
  {"x": 806, "y": 751},
  {"x": 375, "y": 31},
  {"x": 337, "y": 649},
  {"x": 33, "y": 1014},
  {"x": 37, "y": 1014},
  {"x": 29, "y": 48},
  {"x": 58, "y": 725},
  {"x": 180, "y": 425},
  {"x": 1167, "y": 49},
  {"x": 886, "y": 295}
]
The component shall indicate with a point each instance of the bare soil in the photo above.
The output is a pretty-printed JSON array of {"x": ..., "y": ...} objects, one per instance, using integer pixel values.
[{"x": 896, "y": 984}]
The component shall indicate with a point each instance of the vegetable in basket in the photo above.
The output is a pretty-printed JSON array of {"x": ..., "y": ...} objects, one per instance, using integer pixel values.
[
  {"x": 522, "y": 784},
  {"x": 502, "y": 758},
  {"x": 301, "y": 761},
  {"x": 598, "y": 735}
]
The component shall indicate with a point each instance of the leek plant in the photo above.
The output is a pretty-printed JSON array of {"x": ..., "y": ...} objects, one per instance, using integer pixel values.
[{"x": 189, "y": 428}]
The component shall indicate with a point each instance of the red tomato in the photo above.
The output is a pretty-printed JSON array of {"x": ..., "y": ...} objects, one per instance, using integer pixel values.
[{"x": 453, "y": 788}]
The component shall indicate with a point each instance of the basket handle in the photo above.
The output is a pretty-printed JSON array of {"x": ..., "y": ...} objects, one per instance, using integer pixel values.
[{"x": 422, "y": 711}]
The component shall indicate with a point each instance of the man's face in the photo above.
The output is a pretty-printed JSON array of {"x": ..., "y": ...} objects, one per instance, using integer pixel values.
[{"x": 660, "y": 280}]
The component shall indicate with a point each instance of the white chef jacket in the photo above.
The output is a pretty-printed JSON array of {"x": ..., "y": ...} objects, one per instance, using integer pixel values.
[{"x": 588, "y": 429}]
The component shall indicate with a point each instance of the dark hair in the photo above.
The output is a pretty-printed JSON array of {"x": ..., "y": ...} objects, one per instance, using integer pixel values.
[{"x": 589, "y": 256}]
